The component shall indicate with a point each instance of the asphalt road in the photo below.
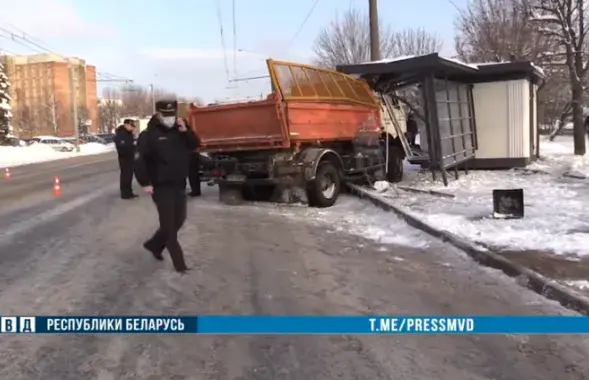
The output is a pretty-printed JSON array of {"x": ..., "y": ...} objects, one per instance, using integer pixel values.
[{"x": 80, "y": 254}]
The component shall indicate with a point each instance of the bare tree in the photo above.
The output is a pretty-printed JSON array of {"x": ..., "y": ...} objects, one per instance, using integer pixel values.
[
  {"x": 496, "y": 31},
  {"x": 347, "y": 41},
  {"x": 414, "y": 42},
  {"x": 500, "y": 30},
  {"x": 109, "y": 114},
  {"x": 24, "y": 121},
  {"x": 555, "y": 107},
  {"x": 565, "y": 22},
  {"x": 109, "y": 109},
  {"x": 50, "y": 114},
  {"x": 137, "y": 100},
  {"x": 83, "y": 117}
]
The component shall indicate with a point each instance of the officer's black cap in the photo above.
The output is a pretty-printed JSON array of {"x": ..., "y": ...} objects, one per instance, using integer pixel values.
[
  {"x": 167, "y": 107},
  {"x": 129, "y": 121}
]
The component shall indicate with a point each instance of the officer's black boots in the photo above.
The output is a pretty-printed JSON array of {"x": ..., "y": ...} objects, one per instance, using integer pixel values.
[
  {"x": 129, "y": 196},
  {"x": 156, "y": 254},
  {"x": 178, "y": 262}
]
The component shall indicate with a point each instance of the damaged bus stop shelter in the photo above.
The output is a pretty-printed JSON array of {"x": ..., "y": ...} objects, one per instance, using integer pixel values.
[{"x": 447, "y": 104}]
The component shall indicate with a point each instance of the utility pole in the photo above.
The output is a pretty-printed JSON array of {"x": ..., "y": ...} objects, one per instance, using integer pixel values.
[
  {"x": 74, "y": 92},
  {"x": 374, "y": 35},
  {"x": 152, "y": 98}
]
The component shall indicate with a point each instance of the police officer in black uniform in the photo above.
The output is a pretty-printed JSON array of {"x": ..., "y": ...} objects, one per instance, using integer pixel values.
[
  {"x": 125, "y": 144},
  {"x": 161, "y": 168}
]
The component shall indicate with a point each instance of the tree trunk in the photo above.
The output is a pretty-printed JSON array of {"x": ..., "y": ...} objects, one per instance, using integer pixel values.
[
  {"x": 558, "y": 130},
  {"x": 578, "y": 122},
  {"x": 561, "y": 122}
]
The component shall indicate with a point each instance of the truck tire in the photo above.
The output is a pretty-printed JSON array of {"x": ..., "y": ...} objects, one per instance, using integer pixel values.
[
  {"x": 395, "y": 167},
  {"x": 324, "y": 190}
]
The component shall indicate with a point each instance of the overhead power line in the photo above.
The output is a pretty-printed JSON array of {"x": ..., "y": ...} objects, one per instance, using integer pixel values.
[
  {"x": 32, "y": 43},
  {"x": 220, "y": 18},
  {"x": 30, "y": 37},
  {"x": 302, "y": 26}
]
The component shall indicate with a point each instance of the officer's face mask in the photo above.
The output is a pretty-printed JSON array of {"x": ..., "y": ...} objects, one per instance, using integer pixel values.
[{"x": 168, "y": 121}]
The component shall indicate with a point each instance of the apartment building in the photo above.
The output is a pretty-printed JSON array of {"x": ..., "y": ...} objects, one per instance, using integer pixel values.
[{"x": 42, "y": 101}]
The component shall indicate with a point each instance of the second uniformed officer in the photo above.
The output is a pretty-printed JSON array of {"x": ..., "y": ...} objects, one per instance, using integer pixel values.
[
  {"x": 161, "y": 168},
  {"x": 125, "y": 144}
]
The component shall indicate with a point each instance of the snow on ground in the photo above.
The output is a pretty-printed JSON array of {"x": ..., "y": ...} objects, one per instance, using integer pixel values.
[
  {"x": 556, "y": 218},
  {"x": 15, "y": 156},
  {"x": 356, "y": 217},
  {"x": 579, "y": 284}
]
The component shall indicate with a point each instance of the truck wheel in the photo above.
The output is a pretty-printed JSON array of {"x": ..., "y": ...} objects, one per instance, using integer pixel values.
[
  {"x": 324, "y": 190},
  {"x": 395, "y": 168}
]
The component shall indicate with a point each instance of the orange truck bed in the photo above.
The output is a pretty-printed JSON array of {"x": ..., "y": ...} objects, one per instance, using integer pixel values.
[
  {"x": 331, "y": 107},
  {"x": 240, "y": 126}
]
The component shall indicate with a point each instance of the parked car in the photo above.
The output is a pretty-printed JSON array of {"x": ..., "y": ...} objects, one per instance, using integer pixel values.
[
  {"x": 92, "y": 139},
  {"x": 56, "y": 143},
  {"x": 72, "y": 140},
  {"x": 108, "y": 137}
]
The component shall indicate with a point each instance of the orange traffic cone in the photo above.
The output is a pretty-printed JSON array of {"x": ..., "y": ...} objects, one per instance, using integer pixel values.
[
  {"x": 56, "y": 186},
  {"x": 7, "y": 173}
]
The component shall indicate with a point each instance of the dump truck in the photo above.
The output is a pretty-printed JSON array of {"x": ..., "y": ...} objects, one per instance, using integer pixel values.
[{"x": 316, "y": 130}]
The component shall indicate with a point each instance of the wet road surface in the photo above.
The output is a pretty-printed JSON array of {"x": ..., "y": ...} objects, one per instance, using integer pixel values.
[{"x": 83, "y": 256}]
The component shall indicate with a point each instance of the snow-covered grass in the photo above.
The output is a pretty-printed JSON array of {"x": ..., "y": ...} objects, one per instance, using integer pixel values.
[
  {"x": 556, "y": 218},
  {"x": 15, "y": 156}
]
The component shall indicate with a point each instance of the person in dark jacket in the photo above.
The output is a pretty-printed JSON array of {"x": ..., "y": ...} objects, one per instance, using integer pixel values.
[
  {"x": 125, "y": 144},
  {"x": 161, "y": 168},
  {"x": 194, "y": 171},
  {"x": 412, "y": 129}
]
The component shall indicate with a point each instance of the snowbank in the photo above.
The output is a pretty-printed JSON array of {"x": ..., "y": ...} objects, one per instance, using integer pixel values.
[
  {"x": 556, "y": 218},
  {"x": 580, "y": 165},
  {"x": 15, "y": 156},
  {"x": 95, "y": 148},
  {"x": 558, "y": 154}
]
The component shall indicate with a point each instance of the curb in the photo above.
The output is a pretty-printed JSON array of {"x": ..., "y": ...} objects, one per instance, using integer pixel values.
[{"x": 531, "y": 279}]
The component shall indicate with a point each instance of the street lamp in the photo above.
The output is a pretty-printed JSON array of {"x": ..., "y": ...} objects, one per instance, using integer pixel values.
[{"x": 151, "y": 87}]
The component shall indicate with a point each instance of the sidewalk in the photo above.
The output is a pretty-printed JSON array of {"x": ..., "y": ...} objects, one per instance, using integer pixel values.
[{"x": 552, "y": 239}]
